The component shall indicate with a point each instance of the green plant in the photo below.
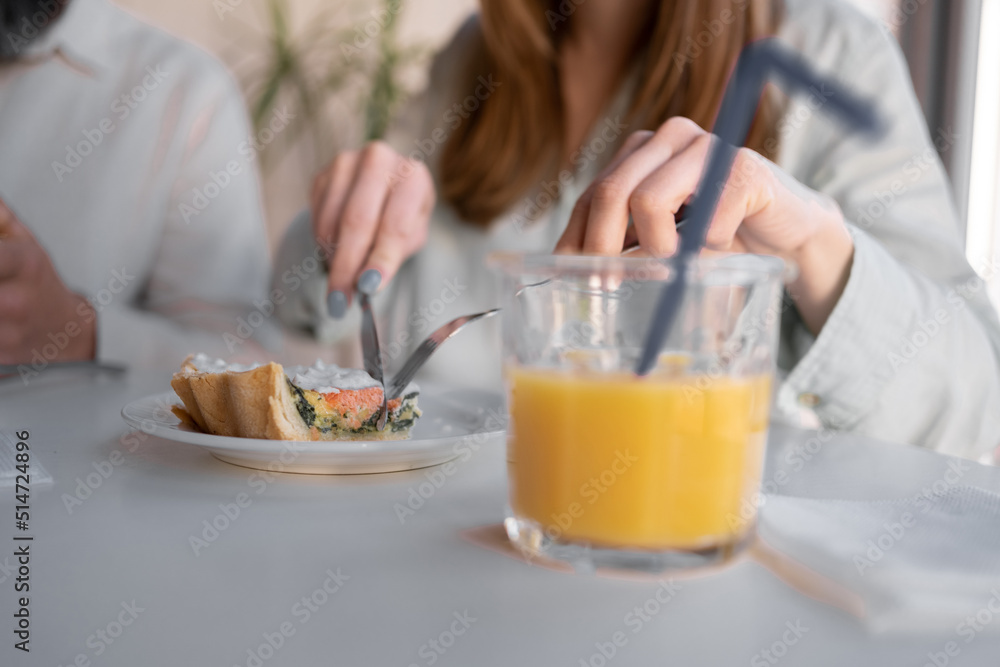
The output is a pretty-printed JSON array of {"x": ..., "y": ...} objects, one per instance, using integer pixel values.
[{"x": 327, "y": 59}]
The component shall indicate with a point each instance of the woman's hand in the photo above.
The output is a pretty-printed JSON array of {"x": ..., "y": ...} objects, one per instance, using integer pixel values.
[
  {"x": 762, "y": 210},
  {"x": 39, "y": 316},
  {"x": 372, "y": 207}
]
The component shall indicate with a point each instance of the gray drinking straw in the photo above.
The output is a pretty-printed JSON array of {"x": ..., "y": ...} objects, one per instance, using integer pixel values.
[{"x": 757, "y": 63}]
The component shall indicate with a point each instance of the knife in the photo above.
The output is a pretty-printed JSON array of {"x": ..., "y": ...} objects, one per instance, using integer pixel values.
[{"x": 367, "y": 284}]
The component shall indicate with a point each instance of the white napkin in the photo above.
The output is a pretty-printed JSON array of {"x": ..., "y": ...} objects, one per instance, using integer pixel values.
[
  {"x": 8, "y": 464},
  {"x": 923, "y": 564}
]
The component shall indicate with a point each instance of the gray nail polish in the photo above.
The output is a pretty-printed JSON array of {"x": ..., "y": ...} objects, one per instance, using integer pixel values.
[
  {"x": 369, "y": 281},
  {"x": 336, "y": 304}
]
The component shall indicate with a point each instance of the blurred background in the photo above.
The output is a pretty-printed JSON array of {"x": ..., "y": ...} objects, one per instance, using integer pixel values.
[{"x": 343, "y": 66}]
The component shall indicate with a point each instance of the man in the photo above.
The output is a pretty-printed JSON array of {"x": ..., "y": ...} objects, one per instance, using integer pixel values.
[{"x": 131, "y": 227}]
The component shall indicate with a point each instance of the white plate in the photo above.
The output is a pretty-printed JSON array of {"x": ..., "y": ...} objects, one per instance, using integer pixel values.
[{"x": 452, "y": 420}]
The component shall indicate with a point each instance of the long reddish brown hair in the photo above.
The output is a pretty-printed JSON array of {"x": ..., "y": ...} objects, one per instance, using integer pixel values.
[{"x": 515, "y": 138}]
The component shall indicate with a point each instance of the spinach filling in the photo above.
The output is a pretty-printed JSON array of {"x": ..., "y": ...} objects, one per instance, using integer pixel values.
[
  {"x": 399, "y": 420},
  {"x": 306, "y": 411}
]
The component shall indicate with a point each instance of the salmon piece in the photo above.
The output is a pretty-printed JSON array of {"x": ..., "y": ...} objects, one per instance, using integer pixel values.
[{"x": 357, "y": 405}]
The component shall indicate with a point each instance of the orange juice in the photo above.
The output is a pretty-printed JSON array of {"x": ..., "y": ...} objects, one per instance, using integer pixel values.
[{"x": 645, "y": 463}]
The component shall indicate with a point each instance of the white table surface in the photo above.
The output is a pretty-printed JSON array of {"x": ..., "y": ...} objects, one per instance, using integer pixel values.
[{"x": 129, "y": 541}]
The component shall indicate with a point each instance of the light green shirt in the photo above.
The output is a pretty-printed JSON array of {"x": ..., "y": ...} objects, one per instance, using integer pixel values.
[{"x": 910, "y": 353}]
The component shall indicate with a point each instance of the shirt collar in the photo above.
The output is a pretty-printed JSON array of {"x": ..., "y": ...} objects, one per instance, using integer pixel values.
[{"x": 80, "y": 37}]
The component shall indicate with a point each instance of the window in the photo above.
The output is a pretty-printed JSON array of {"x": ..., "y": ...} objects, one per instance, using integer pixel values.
[
  {"x": 955, "y": 66},
  {"x": 983, "y": 235}
]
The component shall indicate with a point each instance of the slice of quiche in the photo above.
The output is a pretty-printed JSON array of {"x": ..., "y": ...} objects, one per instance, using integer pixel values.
[{"x": 319, "y": 402}]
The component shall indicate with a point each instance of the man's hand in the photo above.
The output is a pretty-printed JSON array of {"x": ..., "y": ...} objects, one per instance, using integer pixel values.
[{"x": 38, "y": 313}]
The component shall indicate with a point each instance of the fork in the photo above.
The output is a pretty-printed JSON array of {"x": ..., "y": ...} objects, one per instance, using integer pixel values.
[{"x": 426, "y": 349}]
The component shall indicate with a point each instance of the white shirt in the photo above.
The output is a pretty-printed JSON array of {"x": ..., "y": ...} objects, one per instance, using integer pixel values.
[
  {"x": 122, "y": 154},
  {"x": 880, "y": 366}
]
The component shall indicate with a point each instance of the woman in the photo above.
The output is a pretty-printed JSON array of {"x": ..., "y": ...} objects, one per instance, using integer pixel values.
[{"x": 547, "y": 126}]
